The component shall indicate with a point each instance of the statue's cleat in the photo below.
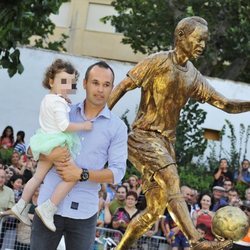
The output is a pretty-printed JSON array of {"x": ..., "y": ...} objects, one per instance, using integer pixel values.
[{"x": 212, "y": 245}]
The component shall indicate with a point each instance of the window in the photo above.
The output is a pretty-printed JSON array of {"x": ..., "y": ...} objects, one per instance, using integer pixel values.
[
  {"x": 95, "y": 13},
  {"x": 211, "y": 134}
]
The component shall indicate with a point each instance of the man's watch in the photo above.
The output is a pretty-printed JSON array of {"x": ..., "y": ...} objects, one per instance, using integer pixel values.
[{"x": 84, "y": 175}]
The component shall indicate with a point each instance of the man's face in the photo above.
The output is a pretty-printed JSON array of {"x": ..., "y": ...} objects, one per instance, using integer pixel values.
[
  {"x": 187, "y": 194},
  {"x": 193, "y": 44},
  {"x": 227, "y": 185},
  {"x": 98, "y": 86},
  {"x": 2, "y": 178},
  {"x": 247, "y": 194},
  {"x": 245, "y": 165},
  {"x": 218, "y": 194},
  {"x": 121, "y": 194},
  {"x": 232, "y": 196}
]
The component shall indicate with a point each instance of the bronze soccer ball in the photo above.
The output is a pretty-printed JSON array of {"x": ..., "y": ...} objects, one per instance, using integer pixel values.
[{"x": 230, "y": 223}]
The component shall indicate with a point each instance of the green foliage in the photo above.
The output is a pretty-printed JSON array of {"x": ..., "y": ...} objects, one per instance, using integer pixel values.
[
  {"x": 238, "y": 144},
  {"x": 148, "y": 26},
  {"x": 190, "y": 141},
  {"x": 5, "y": 156},
  {"x": 196, "y": 177},
  {"x": 19, "y": 21}
]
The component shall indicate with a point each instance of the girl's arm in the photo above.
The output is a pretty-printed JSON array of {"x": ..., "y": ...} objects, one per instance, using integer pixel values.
[{"x": 74, "y": 126}]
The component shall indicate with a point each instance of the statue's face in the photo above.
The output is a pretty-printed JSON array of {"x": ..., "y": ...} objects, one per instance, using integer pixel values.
[{"x": 194, "y": 44}]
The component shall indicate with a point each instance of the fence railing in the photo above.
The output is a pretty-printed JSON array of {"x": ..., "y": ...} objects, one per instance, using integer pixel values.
[{"x": 15, "y": 235}]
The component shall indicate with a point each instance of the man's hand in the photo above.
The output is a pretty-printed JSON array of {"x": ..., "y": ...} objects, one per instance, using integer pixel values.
[
  {"x": 58, "y": 154},
  {"x": 68, "y": 171}
]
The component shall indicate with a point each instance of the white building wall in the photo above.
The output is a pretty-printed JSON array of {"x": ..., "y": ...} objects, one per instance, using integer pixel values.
[{"x": 21, "y": 95}]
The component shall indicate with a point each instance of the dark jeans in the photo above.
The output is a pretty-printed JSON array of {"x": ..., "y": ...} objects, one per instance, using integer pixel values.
[{"x": 78, "y": 234}]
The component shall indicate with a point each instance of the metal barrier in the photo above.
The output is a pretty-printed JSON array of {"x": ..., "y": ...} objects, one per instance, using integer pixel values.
[
  {"x": 103, "y": 242},
  {"x": 15, "y": 235}
]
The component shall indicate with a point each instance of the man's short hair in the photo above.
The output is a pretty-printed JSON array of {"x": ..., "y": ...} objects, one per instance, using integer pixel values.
[
  {"x": 188, "y": 25},
  {"x": 101, "y": 64}
]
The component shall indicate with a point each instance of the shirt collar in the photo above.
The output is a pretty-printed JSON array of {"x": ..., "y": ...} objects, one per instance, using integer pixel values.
[{"x": 104, "y": 113}]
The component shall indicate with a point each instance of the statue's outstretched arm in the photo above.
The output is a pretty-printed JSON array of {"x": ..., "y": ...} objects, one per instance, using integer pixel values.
[
  {"x": 228, "y": 105},
  {"x": 124, "y": 86}
]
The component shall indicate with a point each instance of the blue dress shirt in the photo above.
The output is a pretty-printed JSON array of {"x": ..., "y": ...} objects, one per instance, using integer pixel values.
[{"x": 106, "y": 142}]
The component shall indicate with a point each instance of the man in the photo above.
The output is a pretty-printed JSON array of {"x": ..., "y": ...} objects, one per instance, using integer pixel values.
[
  {"x": 7, "y": 200},
  {"x": 218, "y": 198},
  {"x": 107, "y": 142},
  {"x": 244, "y": 172},
  {"x": 222, "y": 173},
  {"x": 233, "y": 198},
  {"x": 167, "y": 81},
  {"x": 227, "y": 185},
  {"x": 119, "y": 200},
  {"x": 247, "y": 194}
]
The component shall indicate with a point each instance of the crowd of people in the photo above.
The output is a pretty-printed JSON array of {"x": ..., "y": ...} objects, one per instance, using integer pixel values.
[{"x": 119, "y": 204}]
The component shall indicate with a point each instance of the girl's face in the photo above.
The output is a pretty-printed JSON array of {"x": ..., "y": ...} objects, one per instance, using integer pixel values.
[
  {"x": 64, "y": 83},
  {"x": 130, "y": 201},
  {"x": 18, "y": 184},
  {"x": 8, "y": 132},
  {"x": 9, "y": 173},
  {"x": 132, "y": 181},
  {"x": 205, "y": 202}
]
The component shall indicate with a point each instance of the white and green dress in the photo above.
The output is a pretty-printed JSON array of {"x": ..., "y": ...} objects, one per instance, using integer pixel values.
[{"x": 53, "y": 119}]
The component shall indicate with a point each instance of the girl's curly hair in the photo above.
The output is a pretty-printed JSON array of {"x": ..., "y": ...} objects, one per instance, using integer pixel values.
[{"x": 57, "y": 66}]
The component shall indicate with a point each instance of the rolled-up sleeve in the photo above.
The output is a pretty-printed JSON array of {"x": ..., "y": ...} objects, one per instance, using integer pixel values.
[{"x": 118, "y": 153}]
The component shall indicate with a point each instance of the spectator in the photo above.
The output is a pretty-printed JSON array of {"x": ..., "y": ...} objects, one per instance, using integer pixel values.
[
  {"x": 10, "y": 171},
  {"x": 12, "y": 197},
  {"x": 222, "y": 173},
  {"x": 202, "y": 229},
  {"x": 227, "y": 185},
  {"x": 111, "y": 190},
  {"x": 218, "y": 200},
  {"x": 247, "y": 194},
  {"x": 16, "y": 163},
  {"x": 123, "y": 215},
  {"x": 6, "y": 194},
  {"x": 194, "y": 201},
  {"x": 204, "y": 215},
  {"x": 187, "y": 194},
  {"x": 233, "y": 198},
  {"x": 16, "y": 184},
  {"x": 173, "y": 234},
  {"x": 19, "y": 145},
  {"x": 119, "y": 200},
  {"x": 134, "y": 184},
  {"x": 7, "y": 138},
  {"x": 244, "y": 244},
  {"x": 243, "y": 175}
]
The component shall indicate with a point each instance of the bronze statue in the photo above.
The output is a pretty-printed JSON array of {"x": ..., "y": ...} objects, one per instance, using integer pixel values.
[{"x": 167, "y": 80}]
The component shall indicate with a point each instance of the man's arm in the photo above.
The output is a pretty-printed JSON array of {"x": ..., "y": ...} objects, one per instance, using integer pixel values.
[
  {"x": 70, "y": 172},
  {"x": 124, "y": 86}
]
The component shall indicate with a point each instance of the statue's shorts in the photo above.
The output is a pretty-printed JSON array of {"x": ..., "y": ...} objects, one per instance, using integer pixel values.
[{"x": 149, "y": 152}]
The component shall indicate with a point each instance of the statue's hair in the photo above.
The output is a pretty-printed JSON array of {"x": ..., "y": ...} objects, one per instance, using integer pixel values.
[{"x": 188, "y": 25}]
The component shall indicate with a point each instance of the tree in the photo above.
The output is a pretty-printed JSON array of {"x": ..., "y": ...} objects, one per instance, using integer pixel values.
[
  {"x": 19, "y": 21},
  {"x": 190, "y": 141},
  {"x": 148, "y": 26}
]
